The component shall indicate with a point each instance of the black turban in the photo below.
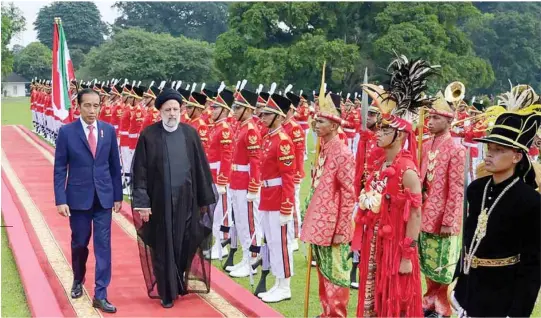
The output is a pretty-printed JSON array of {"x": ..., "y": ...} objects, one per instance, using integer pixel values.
[{"x": 167, "y": 94}]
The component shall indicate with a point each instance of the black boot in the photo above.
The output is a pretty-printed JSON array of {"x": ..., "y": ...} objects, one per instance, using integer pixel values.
[
  {"x": 229, "y": 261},
  {"x": 262, "y": 285},
  {"x": 353, "y": 276}
]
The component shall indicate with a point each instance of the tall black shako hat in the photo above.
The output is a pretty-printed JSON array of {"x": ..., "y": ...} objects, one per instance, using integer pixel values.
[
  {"x": 225, "y": 99},
  {"x": 295, "y": 100},
  {"x": 197, "y": 100},
  {"x": 277, "y": 104},
  {"x": 246, "y": 98},
  {"x": 167, "y": 94}
]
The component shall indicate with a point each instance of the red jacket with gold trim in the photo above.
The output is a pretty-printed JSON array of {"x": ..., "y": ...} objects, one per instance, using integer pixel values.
[
  {"x": 220, "y": 152},
  {"x": 202, "y": 130},
  {"x": 351, "y": 122},
  {"x": 245, "y": 174},
  {"x": 136, "y": 122},
  {"x": 302, "y": 115},
  {"x": 152, "y": 116},
  {"x": 368, "y": 153},
  {"x": 279, "y": 164},
  {"x": 296, "y": 133}
]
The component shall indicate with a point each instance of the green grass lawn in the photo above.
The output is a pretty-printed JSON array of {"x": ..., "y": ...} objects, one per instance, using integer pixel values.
[
  {"x": 13, "y": 297},
  {"x": 17, "y": 111}
]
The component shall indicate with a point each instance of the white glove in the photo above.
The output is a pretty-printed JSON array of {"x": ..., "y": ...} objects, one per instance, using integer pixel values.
[
  {"x": 251, "y": 197},
  {"x": 221, "y": 190},
  {"x": 284, "y": 219}
]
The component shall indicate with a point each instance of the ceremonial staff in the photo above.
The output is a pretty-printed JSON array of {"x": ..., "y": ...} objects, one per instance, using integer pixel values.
[
  {"x": 364, "y": 115},
  {"x": 321, "y": 101}
]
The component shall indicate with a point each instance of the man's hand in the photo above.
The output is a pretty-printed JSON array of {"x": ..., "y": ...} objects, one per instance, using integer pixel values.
[
  {"x": 406, "y": 267},
  {"x": 118, "y": 206},
  {"x": 251, "y": 197},
  {"x": 285, "y": 218},
  {"x": 221, "y": 190},
  {"x": 63, "y": 209},
  {"x": 144, "y": 213},
  {"x": 446, "y": 231}
]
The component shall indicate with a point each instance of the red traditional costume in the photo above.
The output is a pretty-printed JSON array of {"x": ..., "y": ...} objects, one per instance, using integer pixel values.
[
  {"x": 442, "y": 174},
  {"x": 385, "y": 204}
]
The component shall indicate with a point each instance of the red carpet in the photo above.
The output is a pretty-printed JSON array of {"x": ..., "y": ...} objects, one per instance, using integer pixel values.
[{"x": 127, "y": 289}]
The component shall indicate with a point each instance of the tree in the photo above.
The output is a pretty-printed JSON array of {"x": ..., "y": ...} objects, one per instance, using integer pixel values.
[
  {"x": 17, "y": 48},
  {"x": 81, "y": 21},
  {"x": 195, "y": 20},
  {"x": 285, "y": 43},
  {"x": 34, "y": 60},
  {"x": 13, "y": 22},
  {"x": 141, "y": 55}
]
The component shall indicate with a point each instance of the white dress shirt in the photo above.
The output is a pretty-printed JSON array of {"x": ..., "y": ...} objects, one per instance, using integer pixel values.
[{"x": 87, "y": 131}]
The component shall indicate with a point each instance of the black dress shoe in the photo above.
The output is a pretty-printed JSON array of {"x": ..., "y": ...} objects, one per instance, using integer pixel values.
[
  {"x": 104, "y": 305},
  {"x": 167, "y": 303},
  {"x": 76, "y": 290}
]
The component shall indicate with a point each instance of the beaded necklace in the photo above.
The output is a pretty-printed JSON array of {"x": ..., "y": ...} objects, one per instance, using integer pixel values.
[{"x": 482, "y": 222}]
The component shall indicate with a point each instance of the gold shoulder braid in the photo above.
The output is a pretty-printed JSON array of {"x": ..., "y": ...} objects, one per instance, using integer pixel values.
[{"x": 482, "y": 223}]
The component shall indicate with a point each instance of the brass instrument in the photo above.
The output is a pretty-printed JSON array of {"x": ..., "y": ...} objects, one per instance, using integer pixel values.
[{"x": 454, "y": 93}]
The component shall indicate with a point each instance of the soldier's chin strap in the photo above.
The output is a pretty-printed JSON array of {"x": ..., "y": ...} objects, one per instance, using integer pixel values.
[
  {"x": 193, "y": 111},
  {"x": 242, "y": 114},
  {"x": 273, "y": 120},
  {"x": 219, "y": 115}
]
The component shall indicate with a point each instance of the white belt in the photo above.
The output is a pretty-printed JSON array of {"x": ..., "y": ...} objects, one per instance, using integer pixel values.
[
  {"x": 271, "y": 182},
  {"x": 123, "y": 133},
  {"x": 214, "y": 165},
  {"x": 303, "y": 122},
  {"x": 351, "y": 130},
  {"x": 469, "y": 144},
  {"x": 133, "y": 135},
  {"x": 241, "y": 168}
]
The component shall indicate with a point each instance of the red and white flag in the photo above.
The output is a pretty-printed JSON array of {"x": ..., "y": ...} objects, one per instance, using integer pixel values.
[{"x": 63, "y": 72}]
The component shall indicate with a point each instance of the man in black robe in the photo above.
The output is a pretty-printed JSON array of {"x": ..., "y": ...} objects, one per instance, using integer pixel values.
[
  {"x": 173, "y": 202},
  {"x": 499, "y": 271}
]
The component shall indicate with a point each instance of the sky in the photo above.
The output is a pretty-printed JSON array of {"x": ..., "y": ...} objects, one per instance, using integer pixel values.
[{"x": 30, "y": 11}]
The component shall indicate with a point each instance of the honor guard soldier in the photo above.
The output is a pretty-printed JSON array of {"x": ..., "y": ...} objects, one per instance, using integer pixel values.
[
  {"x": 184, "y": 118},
  {"x": 207, "y": 113},
  {"x": 125, "y": 121},
  {"x": 117, "y": 108},
  {"x": 137, "y": 117},
  {"x": 302, "y": 115},
  {"x": 220, "y": 156},
  {"x": 245, "y": 183},
  {"x": 498, "y": 274},
  {"x": 277, "y": 202},
  {"x": 195, "y": 105},
  {"x": 106, "y": 112},
  {"x": 296, "y": 133},
  {"x": 152, "y": 114},
  {"x": 351, "y": 121}
]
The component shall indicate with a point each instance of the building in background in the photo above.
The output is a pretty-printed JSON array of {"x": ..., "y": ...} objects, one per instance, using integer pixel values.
[{"x": 14, "y": 85}]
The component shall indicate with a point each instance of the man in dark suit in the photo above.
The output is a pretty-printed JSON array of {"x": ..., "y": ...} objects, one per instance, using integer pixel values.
[{"x": 87, "y": 156}]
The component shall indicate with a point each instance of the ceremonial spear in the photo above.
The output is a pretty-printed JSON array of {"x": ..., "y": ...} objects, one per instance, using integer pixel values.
[{"x": 322, "y": 103}]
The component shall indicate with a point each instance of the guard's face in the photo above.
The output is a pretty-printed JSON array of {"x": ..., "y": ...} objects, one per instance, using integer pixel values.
[
  {"x": 90, "y": 107},
  {"x": 500, "y": 158},
  {"x": 239, "y": 112},
  {"x": 170, "y": 113},
  {"x": 324, "y": 126},
  {"x": 217, "y": 110},
  {"x": 437, "y": 123},
  {"x": 371, "y": 120}
]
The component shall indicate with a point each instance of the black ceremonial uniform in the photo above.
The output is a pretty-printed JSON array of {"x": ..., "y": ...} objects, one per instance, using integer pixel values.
[{"x": 513, "y": 233}]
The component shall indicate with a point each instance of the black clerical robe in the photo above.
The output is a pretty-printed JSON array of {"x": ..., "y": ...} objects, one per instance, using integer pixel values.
[
  {"x": 513, "y": 228},
  {"x": 171, "y": 176}
]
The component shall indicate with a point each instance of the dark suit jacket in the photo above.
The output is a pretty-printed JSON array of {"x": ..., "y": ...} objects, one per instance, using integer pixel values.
[{"x": 85, "y": 175}]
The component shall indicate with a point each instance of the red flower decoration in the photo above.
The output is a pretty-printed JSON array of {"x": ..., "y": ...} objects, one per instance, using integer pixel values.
[{"x": 389, "y": 172}]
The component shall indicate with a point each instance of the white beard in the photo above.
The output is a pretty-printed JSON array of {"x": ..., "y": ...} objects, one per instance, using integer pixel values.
[{"x": 169, "y": 128}]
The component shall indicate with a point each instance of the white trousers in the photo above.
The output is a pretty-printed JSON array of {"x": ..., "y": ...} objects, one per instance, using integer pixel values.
[
  {"x": 247, "y": 221},
  {"x": 350, "y": 144},
  {"x": 278, "y": 243},
  {"x": 297, "y": 220},
  {"x": 126, "y": 154},
  {"x": 306, "y": 141},
  {"x": 223, "y": 207}
]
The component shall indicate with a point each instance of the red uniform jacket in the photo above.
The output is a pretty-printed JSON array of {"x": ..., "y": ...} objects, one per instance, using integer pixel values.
[
  {"x": 351, "y": 122},
  {"x": 296, "y": 133},
  {"x": 202, "y": 129},
  {"x": 136, "y": 123},
  {"x": 125, "y": 125},
  {"x": 368, "y": 157},
  {"x": 302, "y": 115},
  {"x": 328, "y": 219},
  {"x": 220, "y": 152},
  {"x": 152, "y": 116},
  {"x": 277, "y": 187},
  {"x": 245, "y": 174},
  {"x": 106, "y": 113}
]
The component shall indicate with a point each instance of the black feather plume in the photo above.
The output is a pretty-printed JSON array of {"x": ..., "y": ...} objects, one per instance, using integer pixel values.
[{"x": 408, "y": 82}]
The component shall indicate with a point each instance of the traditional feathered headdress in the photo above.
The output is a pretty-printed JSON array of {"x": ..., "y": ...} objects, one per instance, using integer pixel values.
[{"x": 399, "y": 104}]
